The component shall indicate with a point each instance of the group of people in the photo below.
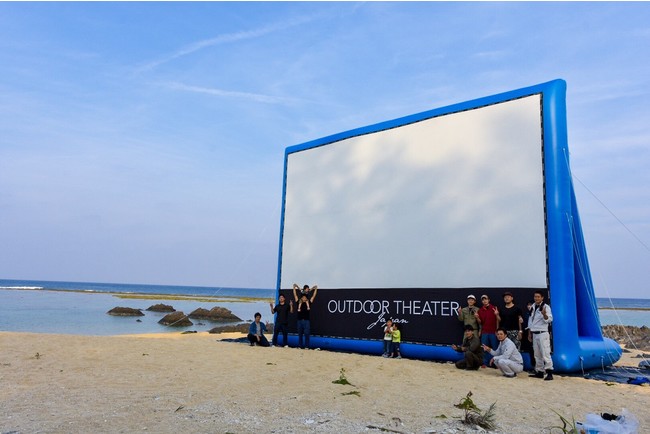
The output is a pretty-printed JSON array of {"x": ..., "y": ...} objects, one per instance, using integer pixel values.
[
  {"x": 304, "y": 297},
  {"x": 494, "y": 337}
]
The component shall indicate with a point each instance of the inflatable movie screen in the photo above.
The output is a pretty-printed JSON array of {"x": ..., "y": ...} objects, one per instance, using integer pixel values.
[{"x": 404, "y": 219}]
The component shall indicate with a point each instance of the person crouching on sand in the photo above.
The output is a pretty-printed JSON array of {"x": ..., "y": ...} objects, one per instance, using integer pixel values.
[
  {"x": 506, "y": 357},
  {"x": 471, "y": 349},
  {"x": 256, "y": 332}
]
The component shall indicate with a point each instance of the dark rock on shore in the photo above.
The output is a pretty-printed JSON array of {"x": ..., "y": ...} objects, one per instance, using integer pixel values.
[
  {"x": 125, "y": 311},
  {"x": 161, "y": 308},
  {"x": 176, "y": 319},
  {"x": 216, "y": 314},
  {"x": 241, "y": 328},
  {"x": 635, "y": 338}
]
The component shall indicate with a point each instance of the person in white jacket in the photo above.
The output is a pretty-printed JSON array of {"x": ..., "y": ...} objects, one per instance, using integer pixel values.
[
  {"x": 506, "y": 357},
  {"x": 538, "y": 333}
]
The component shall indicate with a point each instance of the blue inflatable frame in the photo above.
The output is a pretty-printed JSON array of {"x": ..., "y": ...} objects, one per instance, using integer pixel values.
[{"x": 578, "y": 343}]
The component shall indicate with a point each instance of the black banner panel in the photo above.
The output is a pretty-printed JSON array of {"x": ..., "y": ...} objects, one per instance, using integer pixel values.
[{"x": 425, "y": 315}]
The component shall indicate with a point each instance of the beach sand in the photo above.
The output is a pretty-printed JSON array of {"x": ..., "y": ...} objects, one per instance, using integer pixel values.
[{"x": 196, "y": 383}]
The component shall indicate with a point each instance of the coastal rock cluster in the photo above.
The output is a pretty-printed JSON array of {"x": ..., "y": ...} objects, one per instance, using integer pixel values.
[
  {"x": 125, "y": 311},
  {"x": 631, "y": 336},
  {"x": 161, "y": 308},
  {"x": 179, "y": 319},
  {"x": 176, "y": 319},
  {"x": 217, "y": 314}
]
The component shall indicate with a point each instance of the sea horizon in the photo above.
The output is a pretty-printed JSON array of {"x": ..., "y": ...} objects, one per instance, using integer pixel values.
[{"x": 80, "y": 307}]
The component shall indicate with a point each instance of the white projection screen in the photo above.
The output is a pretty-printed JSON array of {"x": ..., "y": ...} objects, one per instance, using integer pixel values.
[
  {"x": 452, "y": 201},
  {"x": 405, "y": 219}
]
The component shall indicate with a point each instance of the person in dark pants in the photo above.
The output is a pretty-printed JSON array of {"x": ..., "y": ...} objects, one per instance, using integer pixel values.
[
  {"x": 282, "y": 309},
  {"x": 471, "y": 349},
  {"x": 256, "y": 332},
  {"x": 304, "y": 302},
  {"x": 526, "y": 345},
  {"x": 489, "y": 320},
  {"x": 512, "y": 319}
]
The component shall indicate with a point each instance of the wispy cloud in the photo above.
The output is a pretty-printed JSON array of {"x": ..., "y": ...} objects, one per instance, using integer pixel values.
[
  {"x": 229, "y": 93},
  {"x": 491, "y": 55},
  {"x": 223, "y": 39}
]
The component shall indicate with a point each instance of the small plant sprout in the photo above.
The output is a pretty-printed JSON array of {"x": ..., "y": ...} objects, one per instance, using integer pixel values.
[
  {"x": 342, "y": 379},
  {"x": 474, "y": 415}
]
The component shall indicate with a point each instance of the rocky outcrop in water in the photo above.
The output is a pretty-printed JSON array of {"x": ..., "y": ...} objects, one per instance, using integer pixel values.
[
  {"x": 161, "y": 308},
  {"x": 634, "y": 338},
  {"x": 216, "y": 314},
  {"x": 125, "y": 311},
  {"x": 176, "y": 319}
]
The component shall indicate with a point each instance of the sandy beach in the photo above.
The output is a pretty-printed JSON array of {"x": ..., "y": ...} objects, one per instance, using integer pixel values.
[{"x": 197, "y": 383}]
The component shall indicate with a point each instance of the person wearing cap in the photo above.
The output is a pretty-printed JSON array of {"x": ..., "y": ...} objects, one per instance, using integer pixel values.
[
  {"x": 538, "y": 323},
  {"x": 512, "y": 319},
  {"x": 471, "y": 349},
  {"x": 488, "y": 316},
  {"x": 506, "y": 358},
  {"x": 469, "y": 314}
]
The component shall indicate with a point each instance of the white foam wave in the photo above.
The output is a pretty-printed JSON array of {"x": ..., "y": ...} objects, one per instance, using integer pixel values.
[{"x": 21, "y": 287}]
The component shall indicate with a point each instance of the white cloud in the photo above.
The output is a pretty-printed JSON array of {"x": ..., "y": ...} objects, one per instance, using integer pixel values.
[
  {"x": 223, "y": 39},
  {"x": 256, "y": 97}
]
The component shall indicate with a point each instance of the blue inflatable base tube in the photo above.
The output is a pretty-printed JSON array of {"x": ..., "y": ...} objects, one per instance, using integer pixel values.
[{"x": 589, "y": 354}]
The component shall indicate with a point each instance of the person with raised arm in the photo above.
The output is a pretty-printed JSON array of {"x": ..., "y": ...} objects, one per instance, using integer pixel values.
[
  {"x": 281, "y": 312},
  {"x": 304, "y": 298}
]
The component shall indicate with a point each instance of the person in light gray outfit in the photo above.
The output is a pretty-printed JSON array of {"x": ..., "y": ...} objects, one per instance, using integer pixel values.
[
  {"x": 506, "y": 357},
  {"x": 538, "y": 334}
]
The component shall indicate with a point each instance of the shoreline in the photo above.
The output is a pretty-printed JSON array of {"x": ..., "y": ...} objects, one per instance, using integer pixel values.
[
  {"x": 151, "y": 296},
  {"x": 643, "y": 309}
]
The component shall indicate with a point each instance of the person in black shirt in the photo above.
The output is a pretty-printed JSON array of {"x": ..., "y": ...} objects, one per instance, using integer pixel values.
[
  {"x": 526, "y": 345},
  {"x": 282, "y": 309},
  {"x": 512, "y": 319},
  {"x": 304, "y": 301}
]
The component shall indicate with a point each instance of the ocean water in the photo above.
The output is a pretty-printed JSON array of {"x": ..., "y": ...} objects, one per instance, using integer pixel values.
[
  {"x": 125, "y": 288},
  {"x": 624, "y": 311},
  {"x": 80, "y": 308}
]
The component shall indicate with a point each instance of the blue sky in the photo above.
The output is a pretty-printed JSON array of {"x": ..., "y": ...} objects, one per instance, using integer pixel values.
[{"x": 144, "y": 142}]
